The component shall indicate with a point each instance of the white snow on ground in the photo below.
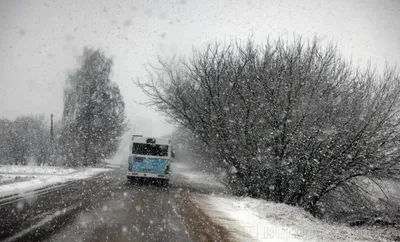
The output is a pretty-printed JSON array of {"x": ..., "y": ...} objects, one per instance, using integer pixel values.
[
  {"x": 5, "y": 178},
  {"x": 258, "y": 220},
  {"x": 40, "y": 176},
  {"x": 56, "y": 170}
]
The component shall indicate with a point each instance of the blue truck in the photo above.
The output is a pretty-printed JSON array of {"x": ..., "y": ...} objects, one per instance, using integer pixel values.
[{"x": 149, "y": 158}]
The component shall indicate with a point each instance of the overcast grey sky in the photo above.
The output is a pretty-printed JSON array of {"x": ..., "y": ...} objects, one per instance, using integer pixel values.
[{"x": 40, "y": 40}]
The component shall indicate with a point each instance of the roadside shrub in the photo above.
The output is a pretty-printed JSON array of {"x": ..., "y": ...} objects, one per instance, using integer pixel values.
[{"x": 289, "y": 122}]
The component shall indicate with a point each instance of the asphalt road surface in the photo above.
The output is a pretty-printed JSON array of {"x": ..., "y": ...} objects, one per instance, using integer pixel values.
[{"x": 103, "y": 208}]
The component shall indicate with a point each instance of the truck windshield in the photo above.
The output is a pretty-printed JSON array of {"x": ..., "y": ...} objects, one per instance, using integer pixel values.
[{"x": 150, "y": 149}]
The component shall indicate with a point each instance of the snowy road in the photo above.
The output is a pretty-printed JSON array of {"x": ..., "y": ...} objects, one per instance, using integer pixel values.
[{"x": 103, "y": 208}]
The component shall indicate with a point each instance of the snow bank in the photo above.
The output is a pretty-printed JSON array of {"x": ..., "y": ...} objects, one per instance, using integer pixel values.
[
  {"x": 259, "y": 220},
  {"x": 35, "y": 177},
  {"x": 38, "y": 170},
  {"x": 6, "y": 179}
]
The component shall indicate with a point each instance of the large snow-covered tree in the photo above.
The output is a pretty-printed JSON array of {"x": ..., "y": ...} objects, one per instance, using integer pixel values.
[
  {"x": 93, "y": 116},
  {"x": 290, "y": 122}
]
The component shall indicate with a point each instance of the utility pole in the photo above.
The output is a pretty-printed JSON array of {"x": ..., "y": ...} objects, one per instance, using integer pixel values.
[{"x": 51, "y": 128}]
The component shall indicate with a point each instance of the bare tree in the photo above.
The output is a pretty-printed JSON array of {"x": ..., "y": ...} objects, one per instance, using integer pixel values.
[{"x": 291, "y": 122}]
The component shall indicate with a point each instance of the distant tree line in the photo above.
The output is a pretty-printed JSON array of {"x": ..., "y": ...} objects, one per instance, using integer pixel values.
[
  {"x": 26, "y": 140},
  {"x": 93, "y": 121},
  {"x": 289, "y": 122}
]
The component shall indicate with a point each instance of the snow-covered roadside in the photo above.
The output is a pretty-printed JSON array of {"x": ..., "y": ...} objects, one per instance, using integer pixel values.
[
  {"x": 6, "y": 179},
  {"x": 35, "y": 177},
  {"x": 37, "y": 170},
  {"x": 258, "y": 220}
]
